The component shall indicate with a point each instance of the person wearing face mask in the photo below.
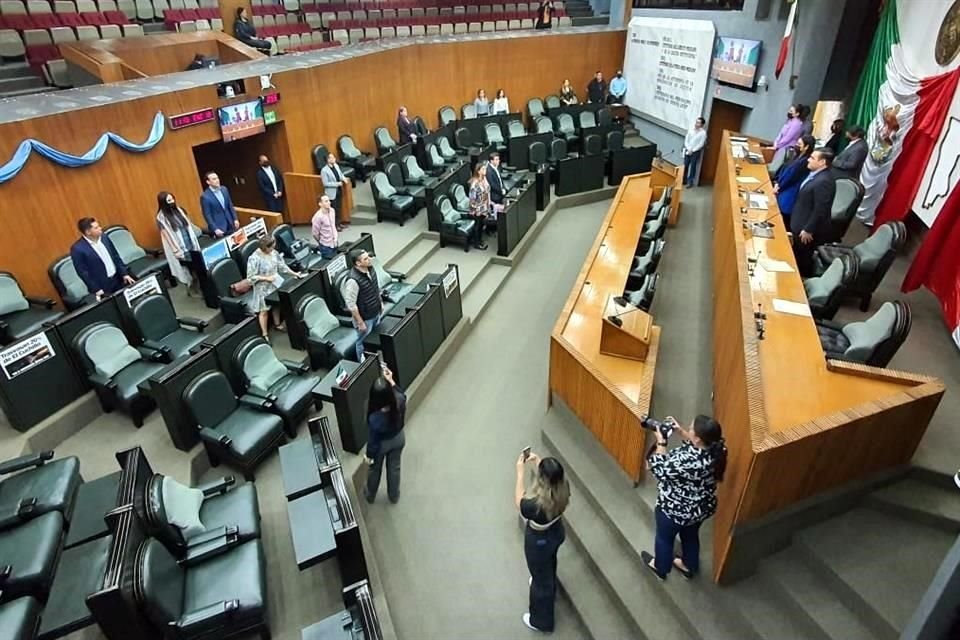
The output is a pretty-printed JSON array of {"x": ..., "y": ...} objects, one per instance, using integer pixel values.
[
  {"x": 178, "y": 239},
  {"x": 618, "y": 89},
  {"x": 790, "y": 131},
  {"x": 836, "y": 136},
  {"x": 270, "y": 183}
]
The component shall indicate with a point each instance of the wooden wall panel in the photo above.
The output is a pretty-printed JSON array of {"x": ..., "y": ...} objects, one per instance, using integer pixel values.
[{"x": 318, "y": 105}]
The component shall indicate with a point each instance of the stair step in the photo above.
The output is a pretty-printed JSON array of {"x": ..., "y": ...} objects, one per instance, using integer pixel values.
[
  {"x": 814, "y": 596},
  {"x": 10, "y": 85},
  {"x": 772, "y": 611},
  {"x": 28, "y": 92},
  {"x": 921, "y": 502},
  {"x": 16, "y": 70},
  {"x": 414, "y": 255},
  {"x": 483, "y": 289},
  {"x": 879, "y": 565},
  {"x": 588, "y": 597}
]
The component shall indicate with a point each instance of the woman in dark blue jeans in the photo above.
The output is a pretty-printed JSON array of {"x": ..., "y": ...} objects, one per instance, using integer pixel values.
[
  {"x": 542, "y": 508},
  {"x": 687, "y": 480},
  {"x": 386, "y": 413}
]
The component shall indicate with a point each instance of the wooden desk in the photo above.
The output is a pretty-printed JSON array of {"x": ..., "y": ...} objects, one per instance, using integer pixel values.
[
  {"x": 608, "y": 394},
  {"x": 270, "y": 218},
  {"x": 796, "y": 425}
]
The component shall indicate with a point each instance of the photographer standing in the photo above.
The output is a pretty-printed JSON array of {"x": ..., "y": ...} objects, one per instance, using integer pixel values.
[
  {"x": 543, "y": 535},
  {"x": 687, "y": 492}
]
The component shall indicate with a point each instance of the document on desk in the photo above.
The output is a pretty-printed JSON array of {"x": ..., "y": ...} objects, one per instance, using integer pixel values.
[
  {"x": 794, "y": 308},
  {"x": 758, "y": 201},
  {"x": 747, "y": 180},
  {"x": 775, "y": 266}
]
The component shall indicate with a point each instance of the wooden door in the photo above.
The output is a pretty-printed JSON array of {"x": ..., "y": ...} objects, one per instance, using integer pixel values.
[{"x": 723, "y": 115}]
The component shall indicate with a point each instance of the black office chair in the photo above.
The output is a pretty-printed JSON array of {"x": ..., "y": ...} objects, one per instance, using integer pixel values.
[
  {"x": 350, "y": 155},
  {"x": 421, "y": 126},
  {"x": 534, "y": 108},
  {"x": 389, "y": 202},
  {"x": 140, "y": 262},
  {"x": 320, "y": 153},
  {"x": 537, "y": 156},
  {"x": 383, "y": 141},
  {"x": 875, "y": 255},
  {"x": 614, "y": 142},
  {"x": 398, "y": 181},
  {"x": 300, "y": 255},
  {"x": 447, "y": 114},
  {"x": 647, "y": 262},
  {"x": 604, "y": 117},
  {"x": 643, "y": 296},
  {"x": 243, "y": 252},
  {"x": 72, "y": 290},
  {"x": 329, "y": 339},
  {"x": 824, "y": 292},
  {"x": 592, "y": 144},
  {"x": 29, "y": 550},
  {"x": 846, "y": 201},
  {"x": 235, "y": 306},
  {"x": 872, "y": 342},
  {"x": 163, "y": 331},
  {"x": 21, "y": 315},
  {"x": 454, "y": 227},
  {"x": 464, "y": 141}
]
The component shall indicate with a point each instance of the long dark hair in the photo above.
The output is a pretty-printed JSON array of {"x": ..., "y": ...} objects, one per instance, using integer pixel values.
[
  {"x": 382, "y": 395},
  {"x": 710, "y": 432},
  {"x": 551, "y": 490},
  {"x": 170, "y": 211},
  {"x": 809, "y": 144}
]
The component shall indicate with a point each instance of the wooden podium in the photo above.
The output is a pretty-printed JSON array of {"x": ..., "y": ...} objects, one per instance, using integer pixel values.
[
  {"x": 303, "y": 191},
  {"x": 629, "y": 340},
  {"x": 346, "y": 201}
]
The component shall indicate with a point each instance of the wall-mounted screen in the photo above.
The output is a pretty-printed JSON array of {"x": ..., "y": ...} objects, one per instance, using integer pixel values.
[
  {"x": 241, "y": 120},
  {"x": 735, "y": 61}
]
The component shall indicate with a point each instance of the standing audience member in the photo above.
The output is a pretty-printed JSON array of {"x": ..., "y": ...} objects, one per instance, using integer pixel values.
[
  {"x": 333, "y": 184},
  {"x": 386, "y": 413},
  {"x": 247, "y": 33},
  {"x": 544, "y": 15},
  {"x": 693, "y": 145},
  {"x": 325, "y": 228},
  {"x": 270, "y": 183},
  {"x": 850, "y": 161},
  {"x": 406, "y": 128},
  {"x": 542, "y": 508},
  {"x": 264, "y": 267},
  {"x": 687, "y": 480},
  {"x": 96, "y": 260},
  {"x": 810, "y": 220},
  {"x": 567, "y": 95},
  {"x": 361, "y": 296},
  {"x": 178, "y": 239},
  {"x": 479, "y": 195},
  {"x": 481, "y": 105},
  {"x": 497, "y": 189},
  {"x": 597, "y": 89},
  {"x": 790, "y": 131},
  {"x": 790, "y": 176},
  {"x": 217, "y": 207},
  {"x": 806, "y": 124},
  {"x": 500, "y": 104},
  {"x": 618, "y": 89},
  {"x": 836, "y": 136}
]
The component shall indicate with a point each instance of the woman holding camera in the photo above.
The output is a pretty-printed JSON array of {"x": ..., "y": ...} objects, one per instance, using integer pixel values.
[
  {"x": 386, "y": 414},
  {"x": 687, "y": 480},
  {"x": 543, "y": 535}
]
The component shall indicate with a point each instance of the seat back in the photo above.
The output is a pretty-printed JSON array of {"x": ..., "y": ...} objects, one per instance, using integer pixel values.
[
  {"x": 348, "y": 149},
  {"x": 65, "y": 279},
  {"x": 384, "y": 142},
  {"x": 587, "y": 119},
  {"x": 158, "y": 583},
  {"x": 413, "y": 170},
  {"x": 316, "y": 317},
  {"x": 821, "y": 288},
  {"x": 552, "y": 102},
  {"x": 394, "y": 175},
  {"x": 246, "y": 250},
  {"x": 462, "y": 138},
  {"x": 592, "y": 145},
  {"x": 492, "y": 132},
  {"x": 544, "y": 124},
  {"x": 224, "y": 273},
  {"x": 445, "y": 148},
  {"x": 209, "y": 399},
  {"x": 105, "y": 349},
  {"x": 422, "y": 128},
  {"x": 260, "y": 366},
  {"x": 875, "y": 248},
  {"x": 11, "y": 296},
  {"x": 447, "y": 115},
  {"x": 460, "y": 197},
  {"x": 383, "y": 278},
  {"x": 126, "y": 246},
  {"x": 614, "y": 140},
  {"x": 436, "y": 160},
  {"x": 879, "y": 336},
  {"x": 558, "y": 149},
  {"x": 286, "y": 241},
  {"x": 846, "y": 201},
  {"x": 565, "y": 123},
  {"x": 447, "y": 212},
  {"x": 534, "y": 108},
  {"x": 155, "y": 317},
  {"x": 537, "y": 154},
  {"x": 319, "y": 154},
  {"x": 155, "y": 515},
  {"x": 469, "y": 111},
  {"x": 515, "y": 129},
  {"x": 604, "y": 117},
  {"x": 382, "y": 189}
]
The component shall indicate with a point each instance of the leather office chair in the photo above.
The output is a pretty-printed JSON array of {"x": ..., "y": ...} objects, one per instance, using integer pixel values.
[
  {"x": 459, "y": 198},
  {"x": 435, "y": 162},
  {"x": 243, "y": 254},
  {"x": 648, "y": 261},
  {"x": 413, "y": 174},
  {"x": 140, "y": 262},
  {"x": 29, "y": 550},
  {"x": 587, "y": 119},
  {"x": 846, "y": 201},
  {"x": 31, "y": 485},
  {"x": 537, "y": 156},
  {"x": 873, "y": 341},
  {"x": 422, "y": 128},
  {"x": 384, "y": 142},
  {"x": 494, "y": 136},
  {"x": 875, "y": 255},
  {"x": 614, "y": 141},
  {"x": 566, "y": 128},
  {"x": 329, "y": 339},
  {"x": 235, "y": 308},
  {"x": 73, "y": 292},
  {"x": 447, "y": 115},
  {"x": 643, "y": 296},
  {"x": 592, "y": 145},
  {"x": 350, "y": 155},
  {"x": 320, "y": 153},
  {"x": 300, "y": 255},
  {"x": 656, "y": 207},
  {"x": 656, "y": 228},
  {"x": 824, "y": 292},
  {"x": 558, "y": 151},
  {"x": 393, "y": 284},
  {"x": 224, "y": 596},
  {"x": 117, "y": 370},
  {"x": 604, "y": 117},
  {"x": 534, "y": 108},
  {"x": 446, "y": 150},
  {"x": 389, "y": 203},
  {"x": 286, "y": 384},
  {"x": 398, "y": 181},
  {"x": 20, "y": 618},
  {"x": 453, "y": 226},
  {"x": 238, "y": 431},
  {"x": 543, "y": 124},
  {"x": 552, "y": 102},
  {"x": 463, "y": 140},
  {"x": 163, "y": 331},
  {"x": 469, "y": 111},
  {"x": 21, "y": 315},
  {"x": 515, "y": 129}
]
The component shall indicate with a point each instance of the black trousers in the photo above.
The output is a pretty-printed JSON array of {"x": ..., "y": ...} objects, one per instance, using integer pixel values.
[
  {"x": 803, "y": 253},
  {"x": 540, "y": 549}
]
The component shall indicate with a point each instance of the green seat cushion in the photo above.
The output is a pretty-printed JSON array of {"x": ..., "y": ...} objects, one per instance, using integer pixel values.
[
  {"x": 18, "y": 618},
  {"x": 21, "y": 324},
  {"x": 11, "y": 297},
  {"x": 251, "y": 431},
  {"x": 293, "y": 394},
  {"x": 819, "y": 289},
  {"x": 865, "y": 336},
  {"x": 131, "y": 377},
  {"x": 181, "y": 341},
  {"x": 237, "y": 575}
]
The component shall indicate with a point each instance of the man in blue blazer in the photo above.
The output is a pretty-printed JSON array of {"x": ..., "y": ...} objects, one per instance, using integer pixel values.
[
  {"x": 217, "y": 207},
  {"x": 270, "y": 183},
  {"x": 96, "y": 260}
]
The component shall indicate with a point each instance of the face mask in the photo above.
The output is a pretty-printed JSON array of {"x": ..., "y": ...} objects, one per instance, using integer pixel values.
[{"x": 790, "y": 115}]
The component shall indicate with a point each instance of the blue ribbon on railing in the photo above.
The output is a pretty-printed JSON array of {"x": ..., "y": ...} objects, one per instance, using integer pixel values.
[{"x": 22, "y": 154}]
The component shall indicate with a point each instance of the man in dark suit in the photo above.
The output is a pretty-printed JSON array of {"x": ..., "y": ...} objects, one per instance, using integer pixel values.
[
  {"x": 270, "y": 183},
  {"x": 810, "y": 220},
  {"x": 96, "y": 260},
  {"x": 406, "y": 127},
  {"x": 497, "y": 187},
  {"x": 217, "y": 207},
  {"x": 850, "y": 161}
]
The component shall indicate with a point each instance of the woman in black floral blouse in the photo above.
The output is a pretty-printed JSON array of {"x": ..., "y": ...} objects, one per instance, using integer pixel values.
[{"x": 687, "y": 480}]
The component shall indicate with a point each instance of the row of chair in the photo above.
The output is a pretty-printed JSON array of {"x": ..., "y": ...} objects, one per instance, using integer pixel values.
[
  {"x": 643, "y": 277},
  {"x": 408, "y": 7}
]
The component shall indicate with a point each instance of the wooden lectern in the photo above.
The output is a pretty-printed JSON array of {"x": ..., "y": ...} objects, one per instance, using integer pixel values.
[
  {"x": 629, "y": 340},
  {"x": 346, "y": 202}
]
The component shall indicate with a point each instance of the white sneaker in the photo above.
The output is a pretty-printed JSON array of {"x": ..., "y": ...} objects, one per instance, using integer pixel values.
[
  {"x": 530, "y": 579},
  {"x": 956, "y": 479},
  {"x": 526, "y": 621}
]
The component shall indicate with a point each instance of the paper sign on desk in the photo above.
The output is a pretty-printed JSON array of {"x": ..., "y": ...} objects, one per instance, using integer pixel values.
[
  {"x": 775, "y": 266},
  {"x": 795, "y": 308},
  {"x": 747, "y": 180},
  {"x": 758, "y": 201}
]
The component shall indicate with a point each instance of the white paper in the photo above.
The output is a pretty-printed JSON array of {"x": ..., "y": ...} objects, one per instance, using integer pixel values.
[
  {"x": 25, "y": 355},
  {"x": 758, "y": 201},
  {"x": 747, "y": 180},
  {"x": 775, "y": 266},
  {"x": 277, "y": 280},
  {"x": 794, "y": 308}
]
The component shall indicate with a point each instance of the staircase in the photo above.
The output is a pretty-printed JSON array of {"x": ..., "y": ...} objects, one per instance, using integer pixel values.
[
  {"x": 581, "y": 14},
  {"x": 858, "y": 576},
  {"x": 18, "y": 79}
]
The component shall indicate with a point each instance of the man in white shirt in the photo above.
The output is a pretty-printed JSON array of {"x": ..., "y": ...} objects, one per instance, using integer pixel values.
[
  {"x": 692, "y": 151},
  {"x": 96, "y": 260}
]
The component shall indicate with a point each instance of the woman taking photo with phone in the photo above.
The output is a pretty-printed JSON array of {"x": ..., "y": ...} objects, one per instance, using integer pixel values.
[
  {"x": 386, "y": 411},
  {"x": 542, "y": 508},
  {"x": 687, "y": 480}
]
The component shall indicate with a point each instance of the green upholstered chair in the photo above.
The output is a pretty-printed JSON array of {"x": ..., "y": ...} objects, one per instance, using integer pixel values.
[
  {"x": 162, "y": 330},
  {"x": 73, "y": 292},
  {"x": 223, "y": 596},
  {"x": 534, "y": 108},
  {"x": 447, "y": 114},
  {"x": 393, "y": 284},
  {"x": 384, "y": 142},
  {"x": 117, "y": 370},
  {"x": 592, "y": 145},
  {"x": 446, "y": 150},
  {"x": 604, "y": 117},
  {"x": 824, "y": 292},
  {"x": 397, "y": 180},
  {"x": 434, "y": 161},
  {"x": 453, "y": 226},
  {"x": 587, "y": 119},
  {"x": 286, "y": 384},
  {"x": 872, "y": 342},
  {"x": 494, "y": 136},
  {"x": 300, "y": 255},
  {"x": 846, "y": 201},
  {"x": 515, "y": 129},
  {"x": 390, "y": 203},
  {"x": 350, "y": 155},
  {"x": 235, "y": 307},
  {"x": 468, "y": 111},
  {"x": 238, "y": 431},
  {"x": 329, "y": 339},
  {"x": 543, "y": 124},
  {"x": 32, "y": 485},
  {"x": 28, "y": 555},
  {"x": 536, "y": 155},
  {"x": 614, "y": 142},
  {"x": 140, "y": 262},
  {"x": 566, "y": 128},
  {"x": 459, "y": 198},
  {"x": 21, "y": 315},
  {"x": 875, "y": 255},
  {"x": 20, "y": 618},
  {"x": 552, "y": 102}
]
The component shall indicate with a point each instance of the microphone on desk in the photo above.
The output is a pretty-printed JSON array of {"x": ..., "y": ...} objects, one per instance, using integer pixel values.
[
  {"x": 622, "y": 302},
  {"x": 766, "y": 223}
]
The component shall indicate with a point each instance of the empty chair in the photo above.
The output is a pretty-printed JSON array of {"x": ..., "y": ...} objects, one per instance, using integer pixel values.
[
  {"x": 362, "y": 163},
  {"x": 448, "y": 153},
  {"x": 11, "y": 45},
  {"x": 189, "y": 26},
  {"x": 40, "y": 481},
  {"x": 592, "y": 145},
  {"x": 604, "y": 117},
  {"x": 647, "y": 263},
  {"x": 454, "y": 227},
  {"x": 395, "y": 176},
  {"x": 656, "y": 228},
  {"x": 515, "y": 129},
  {"x": 543, "y": 124},
  {"x": 875, "y": 255},
  {"x": 435, "y": 161},
  {"x": 494, "y": 136},
  {"x": 389, "y": 203},
  {"x": 286, "y": 384},
  {"x": 163, "y": 331},
  {"x": 203, "y": 24},
  {"x": 566, "y": 128},
  {"x": 614, "y": 141},
  {"x": 469, "y": 111},
  {"x": 299, "y": 255},
  {"x": 459, "y": 198},
  {"x": 140, "y": 262},
  {"x": 587, "y": 119},
  {"x": 558, "y": 150},
  {"x": 132, "y": 31},
  {"x": 109, "y": 31},
  {"x": 241, "y": 431},
  {"x": 384, "y": 142},
  {"x": 116, "y": 369},
  {"x": 447, "y": 115},
  {"x": 643, "y": 296},
  {"x": 537, "y": 155},
  {"x": 329, "y": 339},
  {"x": 392, "y": 284},
  {"x": 534, "y": 108},
  {"x": 21, "y": 315},
  {"x": 463, "y": 140},
  {"x": 234, "y": 304},
  {"x": 824, "y": 292},
  {"x": 414, "y": 174},
  {"x": 846, "y": 201},
  {"x": 873, "y": 341},
  {"x": 552, "y": 102}
]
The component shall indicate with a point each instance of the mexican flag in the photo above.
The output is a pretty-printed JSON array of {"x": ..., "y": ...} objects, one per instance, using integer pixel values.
[{"x": 785, "y": 43}]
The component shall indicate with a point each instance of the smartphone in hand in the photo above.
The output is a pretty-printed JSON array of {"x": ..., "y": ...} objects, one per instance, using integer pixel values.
[{"x": 526, "y": 453}]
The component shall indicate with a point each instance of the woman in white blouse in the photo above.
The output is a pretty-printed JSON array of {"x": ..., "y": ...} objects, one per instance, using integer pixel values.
[{"x": 500, "y": 103}]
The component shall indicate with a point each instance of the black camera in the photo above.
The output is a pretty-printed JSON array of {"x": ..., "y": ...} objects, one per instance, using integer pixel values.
[{"x": 663, "y": 427}]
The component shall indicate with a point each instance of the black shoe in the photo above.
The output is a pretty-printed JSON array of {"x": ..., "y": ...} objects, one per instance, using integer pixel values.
[
  {"x": 686, "y": 573},
  {"x": 647, "y": 559},
  {"x": 369, "y": 497},
  {"x": 394, "y": 500},
  {"x": 482, "y": 246}
]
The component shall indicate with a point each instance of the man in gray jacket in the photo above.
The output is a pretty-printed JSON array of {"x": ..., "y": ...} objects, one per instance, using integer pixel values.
[
  {"x": 333, "y": 181},
  {"x": 849, "y": 162}
]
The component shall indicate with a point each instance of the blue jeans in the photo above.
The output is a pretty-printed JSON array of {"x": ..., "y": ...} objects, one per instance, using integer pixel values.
[
  {"x": 691, "y": 162},
  {"x": 667, "y": 532},
  {"x": 540, "y": 549},
  {"x": 327, "y": 252},
  {"x": 371, "y": 325}
]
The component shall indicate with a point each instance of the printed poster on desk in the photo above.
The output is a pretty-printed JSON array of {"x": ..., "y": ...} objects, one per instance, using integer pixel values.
[
  {"x": 141, "y": 288},
  {"x": 336, "y": 266},
  {"x": 25, "y": 355},
  {"x": 237, "y": 238},
  {"x": 449, "y": 282},
  {"x": 255, "y": 229}
]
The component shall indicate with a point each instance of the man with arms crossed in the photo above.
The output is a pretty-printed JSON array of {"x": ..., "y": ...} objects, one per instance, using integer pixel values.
[{"x": 361, "y": 295}]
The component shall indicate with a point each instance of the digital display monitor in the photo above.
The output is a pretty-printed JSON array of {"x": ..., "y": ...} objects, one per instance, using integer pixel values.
[
  {"x": 735, "y": 61},
  {"x": 241, "y": 120}
]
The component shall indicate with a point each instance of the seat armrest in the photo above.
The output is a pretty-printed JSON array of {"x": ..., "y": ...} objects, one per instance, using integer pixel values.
[
  {"x": 217, "y": 487},
  {"x": 296, "y": 367},
  {"x": 196, "y": 323},
  {"x": 255, "y": 402},
  {"x": 25, "y": 462},
  {"x": 345, "y": 322},
  {"x": 213, "y": 434},
  {"x": 261, "y": 394},
  {"x": 226, "y": 534},
  {"x": 46, "y": 303},
  {"x": 218, "y": 543},
  {"x": 155, "y": 352},
  {"x": 203, "y": 621},
  {"x": 15, "y": 514},
  {"x": 99, "y": 380}
]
